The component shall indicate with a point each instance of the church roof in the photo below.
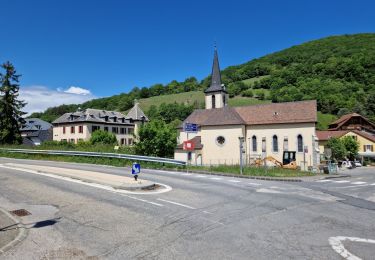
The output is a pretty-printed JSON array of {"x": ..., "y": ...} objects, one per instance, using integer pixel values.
[
  {"x": 215, "y": 85},
  {"x": 136, "y": 114},
  {"x": 217, "y": 116},
  {"x": 274, "y": 113},
  {"x": 279, "y": 113}
]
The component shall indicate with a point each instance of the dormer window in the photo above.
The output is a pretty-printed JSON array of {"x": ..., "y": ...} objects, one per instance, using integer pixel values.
[
  {"x": 115, "y": 119},
  {"x": 106, "y": 118},
  {"x": 123, "y": 120}
]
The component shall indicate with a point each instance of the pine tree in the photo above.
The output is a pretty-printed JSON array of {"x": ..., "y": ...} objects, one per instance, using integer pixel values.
[{"x": 10, "y": 106}]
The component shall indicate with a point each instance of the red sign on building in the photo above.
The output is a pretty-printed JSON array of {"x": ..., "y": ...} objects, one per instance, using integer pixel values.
[{"x": 188, "y": 145}]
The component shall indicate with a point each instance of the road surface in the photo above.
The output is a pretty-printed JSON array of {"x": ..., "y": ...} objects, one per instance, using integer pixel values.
[{"x": 201, "y": 217}]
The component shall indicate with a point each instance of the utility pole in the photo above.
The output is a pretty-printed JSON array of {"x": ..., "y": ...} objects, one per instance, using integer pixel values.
[{"x": 241, "y": 139}]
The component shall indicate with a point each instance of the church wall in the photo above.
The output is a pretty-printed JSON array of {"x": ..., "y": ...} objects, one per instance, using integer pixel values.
[
  {"x": 228, "y": 153},
  {"x": 289, "y": 131}
]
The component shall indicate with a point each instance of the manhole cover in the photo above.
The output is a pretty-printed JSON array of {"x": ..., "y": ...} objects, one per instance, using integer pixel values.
[{"x": 20, "y": 212}]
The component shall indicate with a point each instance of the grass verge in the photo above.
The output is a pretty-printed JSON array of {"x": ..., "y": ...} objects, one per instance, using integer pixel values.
[{"x": 253, "y": 171}]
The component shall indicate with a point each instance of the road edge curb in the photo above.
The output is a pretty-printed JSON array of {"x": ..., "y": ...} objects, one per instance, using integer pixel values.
[{"x": 22, "y": 233}]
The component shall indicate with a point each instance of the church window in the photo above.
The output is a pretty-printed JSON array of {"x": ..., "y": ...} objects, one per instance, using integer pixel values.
[
  {"x": 254, "y": 143},
  {"x": 300, "y": 143},
  {"x": 275, "y": 144},
  {"x": 220, "y": 140},
  {"x": 213, "y": 101}
]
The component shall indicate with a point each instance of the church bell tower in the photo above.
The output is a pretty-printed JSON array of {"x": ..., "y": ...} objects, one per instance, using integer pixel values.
[{"x": 216, "y": 95}]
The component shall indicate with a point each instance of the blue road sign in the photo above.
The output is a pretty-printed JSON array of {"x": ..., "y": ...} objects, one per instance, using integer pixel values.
[
  {"x": 136, "y": 168},
  {"x": 190, "y": 128}
]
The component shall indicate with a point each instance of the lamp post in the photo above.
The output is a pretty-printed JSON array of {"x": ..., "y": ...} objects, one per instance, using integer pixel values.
[{"x": 241, "y": 139}]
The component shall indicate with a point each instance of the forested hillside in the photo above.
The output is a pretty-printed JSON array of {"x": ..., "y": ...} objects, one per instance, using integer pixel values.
[{"x": 338, "y": 71}]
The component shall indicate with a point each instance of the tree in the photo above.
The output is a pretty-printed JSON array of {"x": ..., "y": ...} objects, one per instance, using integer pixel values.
[
  {"x": 10, "y": 106},
  {"x": 103, "y": 137},
  {"x": 337, "y": 147},
  {"x": 156, "y": 138},
  {"x": 351, "y": 146}
]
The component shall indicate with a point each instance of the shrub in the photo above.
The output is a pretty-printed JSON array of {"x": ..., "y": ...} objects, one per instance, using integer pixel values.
[{"x": 103, "y": 137}]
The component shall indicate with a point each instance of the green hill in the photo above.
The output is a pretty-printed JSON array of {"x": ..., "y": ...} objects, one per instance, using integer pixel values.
[{"x": 337, "y": 71}]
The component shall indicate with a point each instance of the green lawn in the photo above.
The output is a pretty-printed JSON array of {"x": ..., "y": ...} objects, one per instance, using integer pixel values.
[
  {"x": 249, "y": 82},
  {"x": 186, "y": 98},
  {"x": 324, "y": 120},
  {"x": 246, "y": 101}
]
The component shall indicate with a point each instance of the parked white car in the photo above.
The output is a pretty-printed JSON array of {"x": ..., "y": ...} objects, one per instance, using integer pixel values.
[
  {"x": 346, "y": 164},
  {"x": 357, "y": 164}
]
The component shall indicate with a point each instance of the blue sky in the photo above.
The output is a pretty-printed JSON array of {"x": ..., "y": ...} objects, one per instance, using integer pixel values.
[{"x": 108, "y": 47}]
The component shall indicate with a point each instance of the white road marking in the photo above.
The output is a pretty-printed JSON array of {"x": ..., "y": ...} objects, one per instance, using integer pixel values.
[
  {"x": 216, "y": 179},
  {"x": 337, "y": 245},
  {"x": 323, "y": 180},
  {"x": 201, "y": 176},
  {"x": 372, "y": 184},
  {"x": 204, "y": 211},
  {"x": 353, "y": 186},
  {"x": 176, "y": 203},
  {"x": 146, "y": 201},
  {"x": 341, "y": 181},
  {"x": 253, "y": 183},
  {"x": 186, "y": 174},
  {"x": 235, "y": 181},
  {"x": 358, "y": 182}
]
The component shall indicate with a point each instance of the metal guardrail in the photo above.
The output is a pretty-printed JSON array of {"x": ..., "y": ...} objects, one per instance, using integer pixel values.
[{"x": 96, "y": 154}]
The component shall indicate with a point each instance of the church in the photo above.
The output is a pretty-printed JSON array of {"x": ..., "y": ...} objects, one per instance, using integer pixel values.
[{"x": 284, "y": 131}]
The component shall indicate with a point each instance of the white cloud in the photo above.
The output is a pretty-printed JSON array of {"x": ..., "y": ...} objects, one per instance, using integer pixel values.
[
  {"x": 77, "y": 90},
  {"x": 39, "y": 98}
]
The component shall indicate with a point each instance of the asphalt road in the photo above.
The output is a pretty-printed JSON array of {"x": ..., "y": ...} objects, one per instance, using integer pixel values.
[{"x": 202, "y": 217}]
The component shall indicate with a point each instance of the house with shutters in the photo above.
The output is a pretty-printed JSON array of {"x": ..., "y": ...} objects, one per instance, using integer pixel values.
[
  {"x": 76, "y": 126},
  {"x": 266, "y": 130},
  {"x": 355, "y": 125}
]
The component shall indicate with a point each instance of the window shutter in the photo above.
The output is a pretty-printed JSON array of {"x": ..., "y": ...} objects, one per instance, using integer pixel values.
[
  {"x": 372, "y": 148},
  {"x": 364, "y": 148}
]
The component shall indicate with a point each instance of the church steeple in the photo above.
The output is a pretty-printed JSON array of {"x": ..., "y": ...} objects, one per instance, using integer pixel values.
[{"x": 216, "y": 94}]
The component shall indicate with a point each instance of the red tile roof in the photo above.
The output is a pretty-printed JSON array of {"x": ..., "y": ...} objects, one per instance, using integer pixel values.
[
  {"x": 325, "y": 135},
  {"x": 274, "y": 113},
  {"x": 279, "y": 113},
  {"x": 342, "y": 120}
]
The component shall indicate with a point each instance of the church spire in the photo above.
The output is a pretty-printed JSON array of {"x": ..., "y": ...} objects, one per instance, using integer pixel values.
[{"x": 215, "y": 76}]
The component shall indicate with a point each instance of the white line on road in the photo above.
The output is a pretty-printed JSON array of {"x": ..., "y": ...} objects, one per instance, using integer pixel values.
[
  {"x": 358, "y": 182},
  {"x": 200, "y": 176},
  {"x": 341, "y": 181},
  {"x": 235, "y": 181},
  {"x": 187, "y": 174},
  {"x": 353, "y": 186},
  {"x": 215, "y": 178},
  {"x": 176, "y": 203},
  {"x": 337, "y": 245},
  {"x": 146, "y": 201},
  {"x": 323, "y": 180},
  {"x": 372, "y": 184},
  {"x": 253, "y": 183}
]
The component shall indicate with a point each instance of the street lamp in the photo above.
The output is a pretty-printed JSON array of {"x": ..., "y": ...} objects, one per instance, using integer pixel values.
[{"x": 241, "y": 139}]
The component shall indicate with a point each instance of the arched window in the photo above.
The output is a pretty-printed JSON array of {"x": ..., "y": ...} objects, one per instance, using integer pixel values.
[
  {"x": 254, "y": 143},
  {"x": 300, "y": 143},
  {"x": 275, "y": 144},
  {"x": 213, "y": 101}
]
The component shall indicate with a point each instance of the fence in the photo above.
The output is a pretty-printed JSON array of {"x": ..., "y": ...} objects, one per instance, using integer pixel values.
[{"x": 95, "y": 154}]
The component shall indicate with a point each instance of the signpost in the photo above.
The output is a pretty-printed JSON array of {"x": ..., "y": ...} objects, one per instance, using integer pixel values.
[
  {"x": 188, "y": 145},
  {"x": 136, "y": 169},
  {"x": 190, "y": 128}
]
